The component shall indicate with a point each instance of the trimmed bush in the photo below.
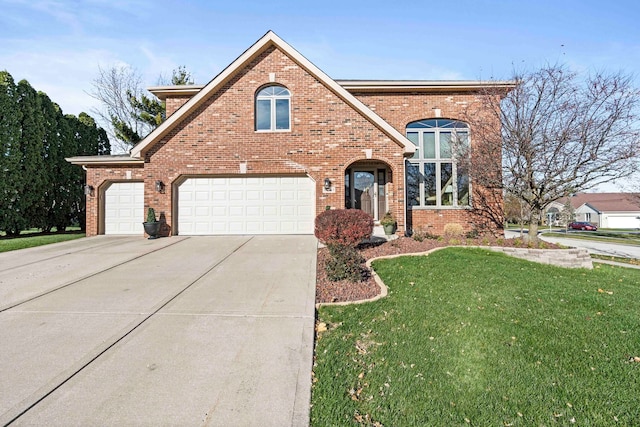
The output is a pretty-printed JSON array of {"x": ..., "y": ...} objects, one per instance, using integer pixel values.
[
  {"x": 151, "y": 215},
  {"x": 347, "y": 227},
  {"x": 342, "y": 230},
  {"x": 346, "y": 263}
]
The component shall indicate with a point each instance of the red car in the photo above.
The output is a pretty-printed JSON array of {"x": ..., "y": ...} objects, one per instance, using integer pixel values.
[{"x": 582, "y": 226}]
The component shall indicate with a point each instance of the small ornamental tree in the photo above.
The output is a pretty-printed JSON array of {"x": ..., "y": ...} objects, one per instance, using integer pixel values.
[
  {"x": 341, "y": 230},
  {"x": 567, "y": 214}
]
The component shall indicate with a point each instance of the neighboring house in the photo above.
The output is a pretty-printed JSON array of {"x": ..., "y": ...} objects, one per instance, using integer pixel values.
[
  {"x": 272, "y": 141},
  {"x": 606, "y": 210}
]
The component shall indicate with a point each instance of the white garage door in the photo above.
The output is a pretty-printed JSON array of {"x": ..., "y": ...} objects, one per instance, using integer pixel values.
[
  {"x": 252, "y": 205},
  {"x": 124, "y": 208},
  {"x": 623, "y": 221}
]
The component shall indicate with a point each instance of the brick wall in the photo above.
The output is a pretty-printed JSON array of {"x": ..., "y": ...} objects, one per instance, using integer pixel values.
[
  {"x": 400, "y": 109},
  {"x": 327, "y": 136},
  {"x": 100, "y": 178},
  {"x": 175, "y": 102}
]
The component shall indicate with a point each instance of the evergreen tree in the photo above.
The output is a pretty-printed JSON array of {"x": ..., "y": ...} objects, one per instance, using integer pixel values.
[
  {"x": 39, "y": 188},
  {"x": 567, "y": 214},
  {"x": 31, "y": 199},
  {"x": 181, "y": 76},
  {"x": 89, "y": 140},
  {"x": 12, "y": 182},
  {"x": 53, "y": 155}
]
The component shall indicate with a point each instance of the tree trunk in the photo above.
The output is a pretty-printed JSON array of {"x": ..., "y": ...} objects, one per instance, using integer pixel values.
[
  {"x": 533, "y": 232},
  {"x": 533, "y": 227}
]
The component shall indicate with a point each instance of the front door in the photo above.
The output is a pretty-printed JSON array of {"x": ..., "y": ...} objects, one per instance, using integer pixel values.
[{"x": 365, "y": 190}]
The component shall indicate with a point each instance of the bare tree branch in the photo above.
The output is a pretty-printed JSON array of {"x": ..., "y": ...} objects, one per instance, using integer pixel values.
[
  {"x": 114, "y": 88},
  {"x": 560, "y": 134}
]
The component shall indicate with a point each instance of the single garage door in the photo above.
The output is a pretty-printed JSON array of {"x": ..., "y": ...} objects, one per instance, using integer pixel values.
[
  {"x": 124, "y": 208},
  {"x": 249, "y": 205}
]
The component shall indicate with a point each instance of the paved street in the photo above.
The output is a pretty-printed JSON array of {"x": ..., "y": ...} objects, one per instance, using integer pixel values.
[{"x": 612, "y": 249}]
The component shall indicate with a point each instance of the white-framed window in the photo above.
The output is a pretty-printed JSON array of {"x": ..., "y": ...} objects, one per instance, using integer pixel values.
[
  {"x": 587, "y": 216},
  {"x": 438, "y": 172},
  {"x": 273, "y": 109}
]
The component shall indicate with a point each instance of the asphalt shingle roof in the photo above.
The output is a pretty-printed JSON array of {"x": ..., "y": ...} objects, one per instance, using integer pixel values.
[{"x": 607, "y": 202}]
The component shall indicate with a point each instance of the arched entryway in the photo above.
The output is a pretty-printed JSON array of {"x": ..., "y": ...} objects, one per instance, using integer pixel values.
[
  {"x": 366, "y": 187},
  {"x": 553, "y": 216}
]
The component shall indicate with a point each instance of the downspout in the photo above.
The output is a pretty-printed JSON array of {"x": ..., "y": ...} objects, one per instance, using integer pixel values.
[{"x": 404, "y": 196}]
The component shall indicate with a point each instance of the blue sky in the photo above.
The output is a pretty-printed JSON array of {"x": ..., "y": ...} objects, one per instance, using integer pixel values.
[{"x": 58, "y": 45}]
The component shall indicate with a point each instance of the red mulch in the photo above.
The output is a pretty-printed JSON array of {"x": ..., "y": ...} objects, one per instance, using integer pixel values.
[{"x": 327, "y": 291}]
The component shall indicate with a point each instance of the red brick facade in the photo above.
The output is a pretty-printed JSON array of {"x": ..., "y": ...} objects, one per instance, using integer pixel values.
[
  {"x": 100, "y": 178},
  {"x": 327, "y": 136},
  {"x": 400, "y": 109}
]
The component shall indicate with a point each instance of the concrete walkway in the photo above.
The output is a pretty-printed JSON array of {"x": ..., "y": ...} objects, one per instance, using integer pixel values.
[{"x": 176, "y": 331}]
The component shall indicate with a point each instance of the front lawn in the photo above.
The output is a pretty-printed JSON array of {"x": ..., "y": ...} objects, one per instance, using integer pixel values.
[
  {"x": 29, "y": 241},
  {"x": 473, "y": 337}
]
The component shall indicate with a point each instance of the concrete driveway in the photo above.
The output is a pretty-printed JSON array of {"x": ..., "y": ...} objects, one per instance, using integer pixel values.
[{"x": 174, "y": 331}]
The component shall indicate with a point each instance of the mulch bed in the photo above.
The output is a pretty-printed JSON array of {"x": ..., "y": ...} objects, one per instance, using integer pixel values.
[{"x": 327, "y": 291}]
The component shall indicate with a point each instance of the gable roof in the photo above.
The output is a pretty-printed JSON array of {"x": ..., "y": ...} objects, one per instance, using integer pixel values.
[
  {"x": 268, "y": 40},
  {"x": 607, "y": 202}
]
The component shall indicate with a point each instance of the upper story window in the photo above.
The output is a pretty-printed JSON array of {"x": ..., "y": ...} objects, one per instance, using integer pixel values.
[
  {"x": 438, "y": 172},
  {"x": 273, "y": 109}
]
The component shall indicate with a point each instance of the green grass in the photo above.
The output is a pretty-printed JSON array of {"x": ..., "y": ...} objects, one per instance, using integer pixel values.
[
  {"x": 472, "y": 337},
  {"x": 632, "y": 261},
  {"x": 29, "y": 241}
]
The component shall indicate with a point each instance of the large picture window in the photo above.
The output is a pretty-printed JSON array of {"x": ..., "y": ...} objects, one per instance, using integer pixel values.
[
  {"x": 438, "y": 172},
  {"x": 273, "y": 109}
]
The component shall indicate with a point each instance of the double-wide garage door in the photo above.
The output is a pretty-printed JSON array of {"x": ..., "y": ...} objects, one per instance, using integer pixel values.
[
  {"x": 248, "y": 205},
  {"x": 622, "y": 221}
]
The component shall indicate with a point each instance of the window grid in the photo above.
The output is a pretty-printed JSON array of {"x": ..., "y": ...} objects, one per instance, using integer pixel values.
[
  {"x": 436, "y": 178},
  {"x": 273, "y": 109}
]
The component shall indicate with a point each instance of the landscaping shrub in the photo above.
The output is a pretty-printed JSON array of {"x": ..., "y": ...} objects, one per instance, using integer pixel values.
[
  {"x": 346, "y": 263},
  {"x": 342, "y": 230},
  {"x": 421, "y": 234},
  {"x": 473, "y": 234},
  {"x": 453, "y": 230},
  {"x": 346, "y": 227}
]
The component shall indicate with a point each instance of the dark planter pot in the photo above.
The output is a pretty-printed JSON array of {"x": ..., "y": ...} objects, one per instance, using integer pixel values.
[
  {"x": 152, "y": 229},
  {"x": 389, "y": 229}
]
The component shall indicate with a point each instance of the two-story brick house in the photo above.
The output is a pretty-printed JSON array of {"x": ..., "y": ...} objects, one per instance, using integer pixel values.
[{"x": 272, "y": 141}]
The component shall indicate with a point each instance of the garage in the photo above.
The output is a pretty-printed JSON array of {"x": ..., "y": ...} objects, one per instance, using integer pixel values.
[
  {"x": 621, "y": 221},
  {"x": 247, "y": 205},
  {"x": 124, "y": 208}
]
